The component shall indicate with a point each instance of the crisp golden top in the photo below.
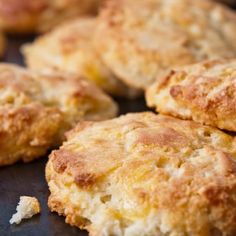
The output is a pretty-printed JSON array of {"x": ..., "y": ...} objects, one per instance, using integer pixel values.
[
  {"x": 37, "y": 108},
  {"x": 24, "y": 16},
  {"x": 140, "y": 39},
  {"x": 70, "y": 47},
  {"x": 204, "y": 92},
  {"x": 178, "y": 175},
  {"x": 15, "y": 7},
  {"x": 67, "y": 92}
]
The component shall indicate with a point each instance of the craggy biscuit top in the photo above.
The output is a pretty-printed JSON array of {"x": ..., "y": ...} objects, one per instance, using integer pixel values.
[
  {"x": 117, "y": 175},
  {"x": 70, "y": 47},
  {"x": 139, "y": 40},
  {"x": 24, "y": 16},
  {"x": 15, "y": 7},
  {"x": 37, "y": 108},
  {"x": 66, "y": 92},
  {"x": 204, "y": 92}
]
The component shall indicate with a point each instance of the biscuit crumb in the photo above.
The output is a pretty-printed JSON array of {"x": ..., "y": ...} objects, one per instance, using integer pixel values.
[
  {"x": 26, "y": 208},
  {"x": 145, "y": 174}
]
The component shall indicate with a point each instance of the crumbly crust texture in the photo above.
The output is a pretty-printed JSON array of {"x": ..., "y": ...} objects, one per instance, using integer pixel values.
[
  {"x": 27, "y": 16},
  {"x": 37, "y": 108},
  {"x": 145, "y": 174},
  {"x": 70, "y": 47},
  {"x": 139, "y": 40},
  {"x": 204, "y": 92}
]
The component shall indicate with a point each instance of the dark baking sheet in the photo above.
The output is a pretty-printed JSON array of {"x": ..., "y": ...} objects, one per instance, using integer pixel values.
[{"x": 28, "y": 179}]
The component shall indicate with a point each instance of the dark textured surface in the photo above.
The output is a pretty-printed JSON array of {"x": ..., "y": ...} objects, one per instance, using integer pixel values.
[{"x": 28, "y": 179}]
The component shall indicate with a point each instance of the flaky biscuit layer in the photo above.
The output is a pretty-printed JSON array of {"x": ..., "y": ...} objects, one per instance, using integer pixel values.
[
  {"x": 139, "y": 40},
  {"x": 145, "y": 174},
  {"x": 28, "y": 16},
  {"x": 70, "y": 47},
  {"x": 204, "y": 92},
  {"x": 37, "y": 108}
]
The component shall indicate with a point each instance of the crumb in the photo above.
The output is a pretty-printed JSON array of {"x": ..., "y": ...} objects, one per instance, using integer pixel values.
[
  {"x": 145, "y": 174},
  {"x": 27, "y": 207}
]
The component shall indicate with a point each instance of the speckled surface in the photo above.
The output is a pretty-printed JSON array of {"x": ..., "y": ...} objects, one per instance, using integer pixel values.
[{"x": 28, "y": 179}]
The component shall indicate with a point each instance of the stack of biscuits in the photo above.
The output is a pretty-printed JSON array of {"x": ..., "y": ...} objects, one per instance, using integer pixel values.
[{"x": 140, "y": 174}]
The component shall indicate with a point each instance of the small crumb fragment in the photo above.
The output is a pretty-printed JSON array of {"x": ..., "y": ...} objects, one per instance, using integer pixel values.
[{"x": 26, "y": 208}]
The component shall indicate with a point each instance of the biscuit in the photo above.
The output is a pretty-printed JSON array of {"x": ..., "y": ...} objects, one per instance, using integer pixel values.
[
  {"x": 27, "y": 16},
  {"x": 70, "y": 48},
  {"x": 139, "y": 40},
  {"x": 145, "y": 174},
  {"x": 204, "y": 92},
  {"x": 37, "y": 108}
]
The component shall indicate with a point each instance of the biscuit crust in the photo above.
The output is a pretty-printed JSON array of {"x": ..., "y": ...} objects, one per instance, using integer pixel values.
[
  {"x": 37, "y": 108},
  {"x": 204, "y": 92},
  {"x": 70, "y": 47},
  {"x": 139, "y": 40},
  {"x": 145, "y": 174},
  {"x": 27, "y": 16}
]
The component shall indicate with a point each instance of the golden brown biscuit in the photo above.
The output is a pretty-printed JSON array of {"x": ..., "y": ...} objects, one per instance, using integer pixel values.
[
  {"x": 145, "y": 174},
  {"x": 204, "y": 92},
  {"x": 27, "y": 16},
  {"x": 37, "y": 108},
  {"x": 70, "y": 48},
  {"x": 139, "y": 40}
]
